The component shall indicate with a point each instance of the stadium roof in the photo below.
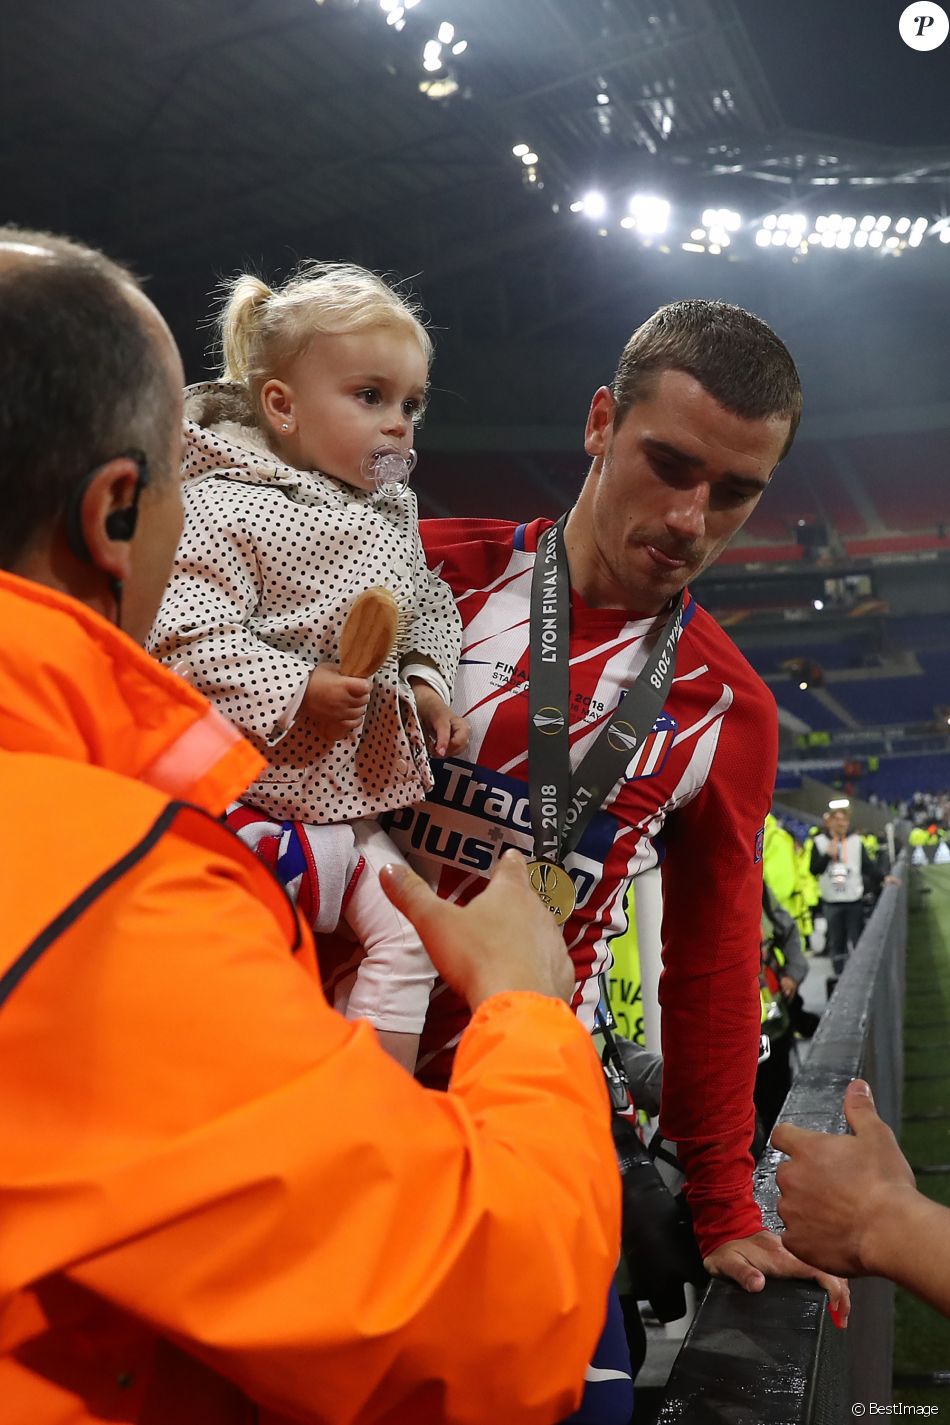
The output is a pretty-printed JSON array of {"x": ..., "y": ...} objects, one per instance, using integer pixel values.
[{"x": 196, "y": 136}]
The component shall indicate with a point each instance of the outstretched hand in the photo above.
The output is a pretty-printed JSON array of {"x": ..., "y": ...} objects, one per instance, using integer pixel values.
[
  {"x": 836, "y": 1186},
  {"x": 502, "y": 940}
]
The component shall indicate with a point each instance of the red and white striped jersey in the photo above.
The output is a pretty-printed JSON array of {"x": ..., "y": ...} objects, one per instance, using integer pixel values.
[{"x": 694, "y": 798}]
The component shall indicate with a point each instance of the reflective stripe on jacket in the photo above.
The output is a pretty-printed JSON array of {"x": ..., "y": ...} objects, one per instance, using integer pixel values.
[{"x": 219, "y": 1201}]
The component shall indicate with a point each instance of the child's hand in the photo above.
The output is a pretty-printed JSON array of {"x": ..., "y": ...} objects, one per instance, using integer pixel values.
[
  {"x": 335, "y": 705},
  {"x": 446, "y": 732}
]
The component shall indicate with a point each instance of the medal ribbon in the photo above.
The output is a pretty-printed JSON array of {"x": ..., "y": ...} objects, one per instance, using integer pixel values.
[{"x": 562, "y": 803}]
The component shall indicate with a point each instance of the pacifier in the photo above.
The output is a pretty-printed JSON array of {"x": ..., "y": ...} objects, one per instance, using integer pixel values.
[{"x": 387, "y": 470}]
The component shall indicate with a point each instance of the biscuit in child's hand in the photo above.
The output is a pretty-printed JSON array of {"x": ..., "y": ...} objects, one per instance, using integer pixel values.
[{"x": 368, "y": 633}]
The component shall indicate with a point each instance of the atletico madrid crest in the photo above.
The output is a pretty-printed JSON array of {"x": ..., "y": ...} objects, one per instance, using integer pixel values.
[{"x": 650, "y": 757}]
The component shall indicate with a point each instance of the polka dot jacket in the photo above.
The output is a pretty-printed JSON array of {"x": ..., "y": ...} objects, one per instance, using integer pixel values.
[{"x": 270, "y": 561}]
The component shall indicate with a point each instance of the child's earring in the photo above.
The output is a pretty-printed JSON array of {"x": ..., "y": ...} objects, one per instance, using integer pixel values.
[{"x": 286, "y": 425}]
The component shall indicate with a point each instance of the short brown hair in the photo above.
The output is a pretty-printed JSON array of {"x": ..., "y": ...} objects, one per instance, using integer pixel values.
[
  {"x": 734, "y": 355},
  {"x": 82, "y": 379}
]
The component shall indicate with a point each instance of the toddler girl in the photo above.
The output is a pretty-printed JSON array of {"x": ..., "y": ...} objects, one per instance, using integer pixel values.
[{"x": 284, "y": 527}]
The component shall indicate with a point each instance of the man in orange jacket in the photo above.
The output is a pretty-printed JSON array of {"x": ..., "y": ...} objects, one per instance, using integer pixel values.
[{"x": 219, "y": 1201}]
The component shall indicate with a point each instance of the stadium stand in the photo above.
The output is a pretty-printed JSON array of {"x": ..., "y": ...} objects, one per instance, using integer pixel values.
[{"x": 904, "y": 505}]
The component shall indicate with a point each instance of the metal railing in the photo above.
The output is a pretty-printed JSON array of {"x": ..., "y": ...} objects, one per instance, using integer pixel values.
[{"x": 776, "y": 1358}]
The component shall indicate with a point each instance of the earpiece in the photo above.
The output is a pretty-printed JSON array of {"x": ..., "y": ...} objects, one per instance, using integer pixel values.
[{"x": 120, "y": 525}]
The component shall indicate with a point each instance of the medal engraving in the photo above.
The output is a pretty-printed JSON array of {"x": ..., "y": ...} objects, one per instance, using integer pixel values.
[{"x": 554, "y": 887}]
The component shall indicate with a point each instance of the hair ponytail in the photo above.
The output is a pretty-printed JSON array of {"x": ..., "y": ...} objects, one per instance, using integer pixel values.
[
  {"x": 260, "y": 329},
  {"x": 245, "y": 299}
]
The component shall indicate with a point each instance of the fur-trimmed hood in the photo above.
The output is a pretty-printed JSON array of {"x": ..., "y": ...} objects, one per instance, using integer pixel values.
[{"x": 223, "y": 439}]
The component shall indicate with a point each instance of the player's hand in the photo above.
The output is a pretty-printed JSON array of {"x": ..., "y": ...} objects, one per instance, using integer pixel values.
[
  {"x": 502, "y": 940},
  {"x": 749, "y": 1260},
  {"x": 446, "y": 733},
  {"x": 334, "y": 704},
  {"x": 789, "y": 987},
  {"x": 837, "y": 1188}
]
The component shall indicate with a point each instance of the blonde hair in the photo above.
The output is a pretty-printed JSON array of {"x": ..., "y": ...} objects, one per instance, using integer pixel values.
[{"x": 261, "y": 327}]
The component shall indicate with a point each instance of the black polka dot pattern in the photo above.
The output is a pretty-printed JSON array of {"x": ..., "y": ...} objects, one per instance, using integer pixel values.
[{"x": 270, "y": 561}]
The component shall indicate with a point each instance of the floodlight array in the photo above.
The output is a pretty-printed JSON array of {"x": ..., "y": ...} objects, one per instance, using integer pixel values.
[{"x": 723, "y": 231}]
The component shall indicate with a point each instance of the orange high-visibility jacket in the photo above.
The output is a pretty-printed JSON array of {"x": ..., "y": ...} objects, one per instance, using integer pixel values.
[{"x": 219, "y": 1201}]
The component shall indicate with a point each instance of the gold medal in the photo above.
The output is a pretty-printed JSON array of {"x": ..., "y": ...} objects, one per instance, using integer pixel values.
[{"x": 554, "y": 887}]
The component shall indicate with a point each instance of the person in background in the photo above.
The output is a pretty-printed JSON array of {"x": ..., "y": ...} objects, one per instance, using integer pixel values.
[
  {"x": 842, "y": 865},
  {"x": 219, "y": 1200},
  {"x": 784, "y": 968}
]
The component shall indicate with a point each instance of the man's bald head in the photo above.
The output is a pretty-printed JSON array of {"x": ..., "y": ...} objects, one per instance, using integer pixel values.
[{"x": 88, "y": 370}]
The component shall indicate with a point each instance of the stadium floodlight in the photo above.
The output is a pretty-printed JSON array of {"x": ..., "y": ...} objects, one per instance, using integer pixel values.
[
  {"x": 827, "y": 238},
  {"x": 945, "y": 233},
  {"x": 395, "y": 17},
  {"x": 835, "y": 220},
  {"x": 719, "y": 236},
  {"x": 529, "y": 158},
  {"x": 779, "y": 238},
  {"x": 819, "y": 604},
  {"x": 843, "y": 240},
  {"x": 821, "y": 223},
  {"x": 445, "y": 33},
  {"x": 652, "y": 214},
  {"x": 389, "y": 5},
  {"x": 861, "y": 239},
  {"x": 698, "y": 234},
  {"x": 520, "y": 149},
  {"x": 916, "y": 237},
  {"x": 876, "y": 238},
  {"x": 603, "y": 98},
  {"x": 763, "y": 238},
  {"x": 902, "y": 225},
  {"x": 460, "y": 47},
  {"x": 921, "y": 223},
  {"x": 715, "y": 249},
  {"x": 883, "y": 224},
  {"x": 892, "y": 242},
  {"x": 803, "y": 686},
  {"x": 577, "y": 205},
  {"x": 839, "y": 804},
  {"x": 628, "y": 222},
  {"x": 594, "y": 204},
  {"x": 444, "y": 88},
  {"x": 814, "y": 237},
  {"x": 432, "y": 56},
  {"x": 692, "y": 247},
  {"x": 848, "y": 225},
  {"x": 409, "y": 4},
  {"x": 723, "y": 218},
  {"x": 867, "y": 223},
  {"x": 770, "y": 222}
]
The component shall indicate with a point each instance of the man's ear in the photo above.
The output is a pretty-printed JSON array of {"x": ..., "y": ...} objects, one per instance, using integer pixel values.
[
  {"x": 113, "y": 489},
  {"x": 277, "y": 406},
  {"x": 600, "y": 422}
]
